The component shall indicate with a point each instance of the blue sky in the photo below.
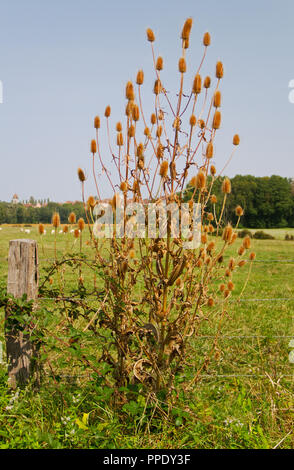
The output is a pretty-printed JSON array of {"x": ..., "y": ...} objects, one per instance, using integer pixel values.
[{"x": 62, "y": 62}]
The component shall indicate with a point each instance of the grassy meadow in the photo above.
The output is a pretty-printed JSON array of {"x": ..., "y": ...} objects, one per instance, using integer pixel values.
[{"x": 244, "y": 400}]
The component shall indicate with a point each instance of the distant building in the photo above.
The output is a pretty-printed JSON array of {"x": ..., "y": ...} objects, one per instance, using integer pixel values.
[{"x": 15, "y": 199}]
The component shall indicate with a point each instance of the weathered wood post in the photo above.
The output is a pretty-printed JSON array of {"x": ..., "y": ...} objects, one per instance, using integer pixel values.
[{"x": 23, "y": 277}]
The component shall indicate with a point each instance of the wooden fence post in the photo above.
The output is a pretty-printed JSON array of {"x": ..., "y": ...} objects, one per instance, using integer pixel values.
[{"x": 23, "y": 277}]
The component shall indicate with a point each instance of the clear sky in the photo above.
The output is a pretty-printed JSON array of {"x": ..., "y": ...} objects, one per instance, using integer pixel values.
[{"x": 63, "y": 61}]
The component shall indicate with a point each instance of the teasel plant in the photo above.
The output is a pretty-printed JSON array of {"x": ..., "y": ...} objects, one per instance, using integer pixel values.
[{"x": 158, "y": 294}]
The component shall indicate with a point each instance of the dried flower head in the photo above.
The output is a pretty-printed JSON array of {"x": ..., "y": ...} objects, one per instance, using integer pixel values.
[
  {"x": 241, "y": 263},
  {"x": 96, "y": 122},
  {"x": 201, "y": 180},
  {"x": 193, "y": 120},
  {"x": 118, "y": 126},
  {"x": 107, "y": 111},
  {"x": 217, "y": 118},
  {"x": 135, "y": 112},
  {"x": 131, "y": 131},
  {"x": 76, "y": 233},
  {"x": 55, "y": 220},
  {"x": 120, "y": 139},
  {"x": 147, "y": 131},
  {"x": 140, "y": 77},
  {"x": 252, "y": 256},
  {"x": 41, "y": 229},
  {"x": 241, "y": 250},
  {"x": 163, "y": 169},
  {"x": 231, "y": 285},
  {"x": 91, "y": 202},
  {"x": 226, "y": 186},
  {"x": 209, "y": 150},
  {"x": 247, "y": 242},
  {"x": 187, "y": 29},
  {"x": 219, "y": 71},
  {"x": 93, "y": 146},
  {"x": 197, "y": 84},
  {"x": 236, "y": 139},
  {"x": 217, "y": 99},
  {"x": 81, "y": 224},
  {"x": 213, "y": 199},
  {"x": 153, "y": 119},
  {"x": 130, "y": 94},
  {"x": 159, "y": 63},
  {"x": 239, "y": 211},
  {"x": 212, "y": 170},
  {"x": 65, "y": 229},
  {"x": 157, "y": 87},
  {"x": 207, "y": 82},
  {"x": 81, "y": 175},
  {"x": 150, "y": 35},
  {"x": 201, "y": 123},
  {"x": 206, "y": 39},
  {"x": 72, "y": 218},
  {"x": 124, "y": 186},
  {"x": 227, "y": 233},
  {"x": 182, "y": 65}
]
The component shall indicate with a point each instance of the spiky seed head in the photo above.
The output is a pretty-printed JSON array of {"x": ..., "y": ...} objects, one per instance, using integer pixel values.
[
  {"x": 226, "y": 186},
  {"x": 65, "y": 229},
  {"x": 153, "y": 119},
  {"x": 72, "y": 218},
  {"x": 207, "y": 82},
  {"x": 163, "y": 169},
  {"x": 222, "y": 287},
  {"x": 93, "y": 146},
  {"x": 231, "y": 286},
  {"x": 227, "y": 233},
  {"x": 118, "y": 126},
  {"x": 140, "y": 77},
  {"x": 159, "y": 131},
  {"x": 81, "y": 224},
  {"x": 187, "y": 29},
  {"x": 204, "y": 238},
  {"x": 219, "y": 70},
  {"x": 193, "y": 120},
  {"x": 130, "y": 94},
  {"x": 76, "y": 233},
  {"x": 241, "y": 263},
  {"x": 209, "y": 150},
  {"x": 228, "y": 272},
  {"x": 123, "y": 186},
  {"x": 132, "y": 254},
  {"x": 213, "y": 199},
  {"x": 236, "y": 139},
  {"x": 193, "y": 182},
  {"x": 210, "y": 216},
  {"x": 232, "y": 264},
  {"x": 252, "y": 256},
  {"x": 197, "y": 84},
  {"x": 131, "y": 131},
  {"x": 96, "y": 122},
  {"x": 129, "y": 108},
  {"x": 147, "y": 131},
  {"x": 107, "y": 111},
  {"x": 157, "y": 87},
  {"x": 201, "y": 123},
  {"x": 159, "y": 63},
  {"x": 210, "y": 246},
  {"x": 81, "y": 175},
  {"x": 91, "y": 202},
  {"x": 247, "y": 242},
  {"x": 206, "y": 39},
  {"x": 140, "y": 150},
  {"x": 211, "y": 228},
  {"x": 182, "y": 65},
  {"x": 241, "y": 250},
  {"x": 201, "y": 180},
  {"x": 217, "y": 99},
  {"x": 239, "y": 211},
  {"x": 234, "y": 238},
  {"x": 159, "y": 151},
  {"x": 199, "y": 263},
  {"x": 217, "y": 119},
  {"x": 150, "y": 35},
  {"x": 212, "y": 170},
  {"x": 120, "y": 139},
  {"x": 135, "y": 113},
  {"x": 41, "y": 229},
  {"x": 226, "y": 293},
  {"x": 55, "y": 220}
]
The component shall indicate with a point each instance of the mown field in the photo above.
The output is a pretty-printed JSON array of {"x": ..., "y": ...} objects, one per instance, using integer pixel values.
[{"x": 244, "y": 400}]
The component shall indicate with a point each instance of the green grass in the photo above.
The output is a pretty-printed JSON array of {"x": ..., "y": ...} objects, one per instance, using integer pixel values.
[{"x": 244, "y": 400}]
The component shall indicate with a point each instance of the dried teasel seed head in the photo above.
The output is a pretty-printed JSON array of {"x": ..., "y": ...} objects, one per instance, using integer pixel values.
[
  {"x": 147, "y": 131},
  {"x": 72, "y": 218},
  {"x": 226, "y": 186},
  {"x": 182, "y": 65},
  {"x": 123, "y": 186},
  {"x": 159, "y": 63},
  {"x": 204, "y": 238},
  {"x": 239, "y": 211},
  {"x": 228, "y": 272},
  {"x": 96, "y": 122},
  {"x": 227, "y": 233},
  {"x": 241, "y": 250},
  {"x": 247, "y": 242},
  {"x": 199, "y": 263},
  {"x": 91, "y": 201},
  {"x": 252, "y": 256},
  {"x": 197, "y": 84},
  {"x": 231, "y": 286},
  {"x": 135, "y": 112},
  {"x": 211, "y": 228},
  {"x": 163, "y": 169},
  {"x": 213, "y": 199},
  {"x": 193, "y": 120},
  {"x": 193, "y": 182},
  {"x": 120, "y": 139},
  {"x": 212, "y": 170},
  {"x": 65, "y": 229},
  {"x": 118, "y": 126},
  {"x": 153, "y": 119},
  {"x": 206, "y": 39},
  {"x": 217, "y": 119},
  {"x": 222, "y": 287},
  {"x": 226, "y": 293},
  {"x": 209, "y": 150},
  {"x": 210, "y": 216},
  {"x": 140, "y": 150},
  {"x": 129, "y": 108},
  {"x": 157, "y": 87},
  {"x": 234, "y": 238},
  {"x": 93, "y": 146},
  {"x": 132, "y": 254},
  {"x": 187, "y": 29},
  {"x": 55, "y": 220},
  {"x": 211, "y": 246},
  {"x": 41, "y": 229},
  {"x": 81, "y": 224},
  {"x": 140, "y": 77},
  {"x": 217, "y": 99},
  {"x": 232, "y": 264},
  {"x": 130, "y": 94},
  {"x": 150, "y": 35},
  {"x": 236, "y": 139},
  {"x": 131, "y": 131},
  {"x": 107, "y": 111},
  {"x": 159, "y": 131},
  {"x": 76, "y": 233},
  {"x": 201, "y": 124},
  {"x": 241, "y": 263},
  {"x": 81, "y": 175},
  {"x": 201, "y": 180},
  {"x": 207, "y": 82},
  {"x": 219, "y": 71},
  {"x": 159, "y": 151}
]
